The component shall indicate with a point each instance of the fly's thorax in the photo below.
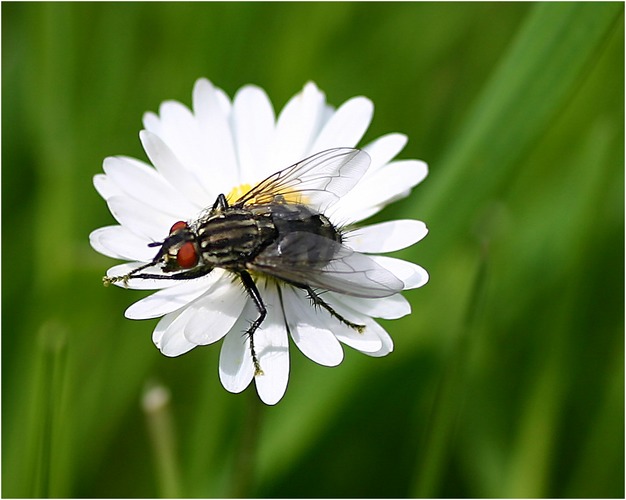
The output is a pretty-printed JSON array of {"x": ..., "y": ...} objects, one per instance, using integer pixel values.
[{"x": 230, "y": 238}]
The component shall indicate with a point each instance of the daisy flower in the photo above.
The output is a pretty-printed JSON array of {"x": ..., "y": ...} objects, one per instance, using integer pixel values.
[{"x": 203, "y": 162}]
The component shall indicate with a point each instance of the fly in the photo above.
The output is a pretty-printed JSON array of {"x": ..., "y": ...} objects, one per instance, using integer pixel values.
[{"x": 277, "y": 229}]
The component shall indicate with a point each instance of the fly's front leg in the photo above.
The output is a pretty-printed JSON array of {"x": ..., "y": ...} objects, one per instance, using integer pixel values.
[
  {"x": 185, "y": 275},
  {"x": 221, "y": 202},
  {"x": 318, "y": 301},
  {"x": 254, "y": 294}
]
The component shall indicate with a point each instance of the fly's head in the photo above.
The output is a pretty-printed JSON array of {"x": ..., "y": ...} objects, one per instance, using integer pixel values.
[{"x": 178, "y": 252}]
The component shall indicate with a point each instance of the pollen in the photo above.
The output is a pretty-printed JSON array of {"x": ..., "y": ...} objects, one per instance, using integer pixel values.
[
  {"x": 273, "y": 195},
  {"x": 237, "y": 192}
]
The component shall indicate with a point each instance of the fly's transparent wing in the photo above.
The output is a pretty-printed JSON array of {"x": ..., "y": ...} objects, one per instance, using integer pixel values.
[
  {"x": 304, "y": 258},
  {"x": 317, "y": 181}
]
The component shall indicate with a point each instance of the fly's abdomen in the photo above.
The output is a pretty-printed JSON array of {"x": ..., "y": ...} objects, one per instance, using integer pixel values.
[
  {"x": 232, "y": 238},
  {"x": 306, "y": 237}
]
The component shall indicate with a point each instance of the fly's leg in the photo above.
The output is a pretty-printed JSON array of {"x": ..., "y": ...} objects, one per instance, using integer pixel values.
[
  {"x": 221, "y": 202},
  {"x": 318, "y": 301},
  {"x": 254, "y": 294},
  {"x": 185, "y": 275}
]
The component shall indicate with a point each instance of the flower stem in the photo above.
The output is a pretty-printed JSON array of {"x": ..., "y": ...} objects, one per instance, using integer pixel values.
[
  {"x": 244, "y": 465},
  {"x": 156, "y": 406}
]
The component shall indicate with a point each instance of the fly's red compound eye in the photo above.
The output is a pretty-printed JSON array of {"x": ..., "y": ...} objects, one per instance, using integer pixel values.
[
  {"x": 187, "y": 257},
  {"x": 178, "y": 225}
]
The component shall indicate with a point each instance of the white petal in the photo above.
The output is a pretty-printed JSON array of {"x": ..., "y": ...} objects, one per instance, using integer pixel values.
[
  {"x": 146, "y": 222},
  {"x": 171, "y": 168},
  {"x": 272, "y": 347},
  {"x": 412, "y": 275},
  {"x": 185, "y": 136},
  {"x": 174, "y": 123},
  {"x": 171, "y": 299},
  {"x": 143, "y": 183},
  {"x": 367, "y": 341},
  {"x": 179, "y": 130},
  {"x": 216, "y": 313},
  {"x": 209, "y": 100},
  {"x": 364, "y": 342},
  {"x": 212, "y": 110},
  {"x": 395, "y": 178},
  {"x": 346, "y": 127},
  {"x": 152, "y": 123},
  {"x": 374, "y": 340},
  {"x": 296, "y": 127},
  {"x": 393, "y": 307},
  {"x": 168, "y": 335},
  {"x": 119, "y": 243},
  {"x": 386, "y": 236},
  {"x": 236, "y": 367},
  {"x": 311, "y": 330},
  {"x": 344, "y": 214},
  {"x": 105, "y": 186},
  {"x": 377, "y": 189},
  {"x": 253, "y": 128},
  {"x": 384, "y": 149},
  {"x": 387, "y": 342}
]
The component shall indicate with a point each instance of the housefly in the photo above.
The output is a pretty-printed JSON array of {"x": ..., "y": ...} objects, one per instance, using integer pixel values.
[{"x": 277, "y": 230}]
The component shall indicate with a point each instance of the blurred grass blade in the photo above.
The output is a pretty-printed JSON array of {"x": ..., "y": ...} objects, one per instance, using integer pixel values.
[
  {"x": 530, "y": 464},
  {"x": 516, "y": 107},
  {"x": 594, "y": 477},
  {"x": 43, "y": 468},
  {"x": 453, "y": 387}
]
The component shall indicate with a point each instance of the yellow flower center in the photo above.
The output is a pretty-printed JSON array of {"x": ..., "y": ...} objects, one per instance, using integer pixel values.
[
  {"x": 237, "y": 192},
  {"x": 288, "y": 197}
]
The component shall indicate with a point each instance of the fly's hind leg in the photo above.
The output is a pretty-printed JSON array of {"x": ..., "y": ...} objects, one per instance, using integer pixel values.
[
  {"x": 318, "y": 301},
  {"x": 254, "y": 294}
]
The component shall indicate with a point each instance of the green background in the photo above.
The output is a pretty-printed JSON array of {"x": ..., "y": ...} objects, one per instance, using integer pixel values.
[{"x": 507, "y": 379}]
